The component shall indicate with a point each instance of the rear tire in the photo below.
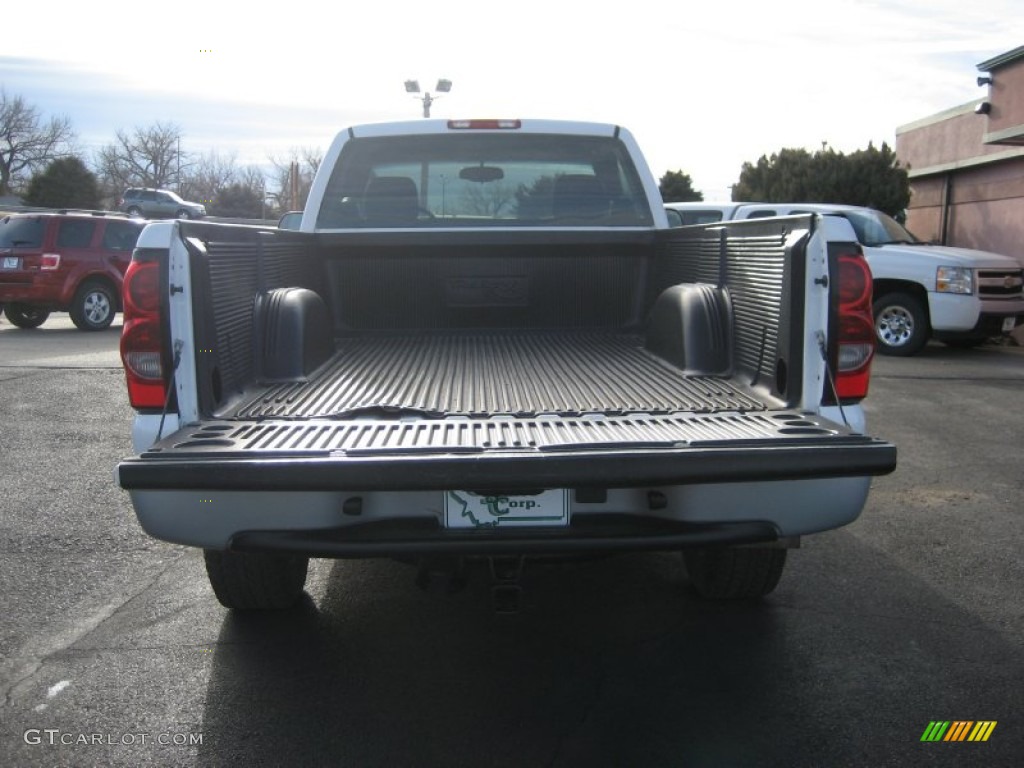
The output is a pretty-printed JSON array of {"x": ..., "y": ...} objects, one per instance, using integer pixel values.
[
  {"x": 25, "y": 315},
  {"x": 93, "y": 307},
  {"x": 255, "y": 581},
  {"x": 734, "y": 573}
]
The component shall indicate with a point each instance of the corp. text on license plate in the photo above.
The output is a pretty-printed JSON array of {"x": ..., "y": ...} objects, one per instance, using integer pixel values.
[{"x": 465, "y": 509}]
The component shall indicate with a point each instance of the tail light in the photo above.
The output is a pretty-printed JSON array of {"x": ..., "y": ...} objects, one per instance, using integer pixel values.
[
  {"x": 856, "y": 332},
  {"x": 43, "y": 262},
  {"x": 142, "y": 349}
]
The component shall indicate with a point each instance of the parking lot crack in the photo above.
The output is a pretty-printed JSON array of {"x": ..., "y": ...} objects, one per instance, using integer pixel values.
[{"x": 24, "y": 668}]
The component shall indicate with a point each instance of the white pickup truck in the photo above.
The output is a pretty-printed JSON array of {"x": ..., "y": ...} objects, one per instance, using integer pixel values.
[
  {"x": 485, "y": 341},
  {"x": 955, "y": 295}
]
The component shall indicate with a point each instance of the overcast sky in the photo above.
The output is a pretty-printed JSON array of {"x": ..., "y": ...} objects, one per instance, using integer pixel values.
[{"x": 703, "y": 86}]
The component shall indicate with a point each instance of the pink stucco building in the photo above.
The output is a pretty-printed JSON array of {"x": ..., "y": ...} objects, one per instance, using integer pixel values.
[{"x": 966, "y": 165}]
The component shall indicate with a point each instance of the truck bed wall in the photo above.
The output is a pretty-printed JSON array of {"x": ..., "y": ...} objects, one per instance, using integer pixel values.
[
  {"x": 231, "y": 268},
  {"x": 458, "y": 286},
  {"x": 751, "y": 275}
]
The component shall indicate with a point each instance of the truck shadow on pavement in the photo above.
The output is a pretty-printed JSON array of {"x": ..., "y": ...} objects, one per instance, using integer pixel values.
[{"x": 610, "y": 663}]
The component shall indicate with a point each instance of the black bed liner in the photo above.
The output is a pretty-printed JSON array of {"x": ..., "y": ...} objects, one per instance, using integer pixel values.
[
  {"x": 506, "y": 453},
  {"x": 502, "y": 410},
  {"x": 496, "y": 373}
]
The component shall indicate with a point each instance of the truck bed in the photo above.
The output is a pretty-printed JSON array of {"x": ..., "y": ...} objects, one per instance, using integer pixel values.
[
  {"x": 505, "y": 361},
  {"x": 506, "y": 373}
]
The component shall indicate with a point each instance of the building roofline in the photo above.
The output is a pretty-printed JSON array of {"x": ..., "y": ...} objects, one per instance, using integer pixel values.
[
  {"x": 938, "y": 117},
  {"x": 1002, "y": 60}
]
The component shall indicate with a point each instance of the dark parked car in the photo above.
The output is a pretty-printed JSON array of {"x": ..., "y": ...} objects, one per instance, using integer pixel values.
[
  {"x": 158, "y": 204},
  {"x": 69, "y": 262}
]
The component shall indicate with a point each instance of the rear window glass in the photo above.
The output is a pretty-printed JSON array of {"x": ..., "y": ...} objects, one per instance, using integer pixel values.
[
  {"x": 876, "y": 228},
  {"x": 75, "y": 233},
  {"x": 700, "y": 217},
  {"x": 21, "y": 232},
  {"x": 497, "y": 179}
]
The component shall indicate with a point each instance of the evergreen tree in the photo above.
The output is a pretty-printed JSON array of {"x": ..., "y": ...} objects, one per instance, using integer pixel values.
[
  {"x": 677, "y": 187},
  {"x": 66, "y": 183},
  {"x": 870, "y": 177}
]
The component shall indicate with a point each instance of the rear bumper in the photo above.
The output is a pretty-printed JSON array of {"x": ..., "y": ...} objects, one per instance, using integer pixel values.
[
  {"x": 43, "y": 290},
  {"x": 587, "y": 533},
  {"x": 400, "y": 523}
]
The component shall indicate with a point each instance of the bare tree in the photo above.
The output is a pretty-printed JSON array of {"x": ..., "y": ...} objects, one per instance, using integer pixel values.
[
  {"x": 293, "y": 176},
  {"x": 486, "y": 199},
  {"x": 244, "y": 196},
  {"x": 252, "y": 177},
  {"x": 27, "y": 141},
  {"x": 146, "y": 157},
  {"x": 208, "y": 175},
  {"x": 311, "y": 158}
]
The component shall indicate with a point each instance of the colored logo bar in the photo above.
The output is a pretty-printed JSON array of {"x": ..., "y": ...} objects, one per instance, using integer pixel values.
[{"x": 958, "y": 730}]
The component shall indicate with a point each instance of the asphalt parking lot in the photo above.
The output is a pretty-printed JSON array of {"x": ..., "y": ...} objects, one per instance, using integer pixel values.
[{"x": 113, "y": 650}]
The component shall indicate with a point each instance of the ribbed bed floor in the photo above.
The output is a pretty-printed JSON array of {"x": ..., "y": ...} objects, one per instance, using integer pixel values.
[{"x": 519, "y": 374}]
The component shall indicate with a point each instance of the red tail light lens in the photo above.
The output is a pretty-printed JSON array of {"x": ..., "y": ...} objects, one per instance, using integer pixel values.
[
  {"x": 856, "y": 328},
  {"x": 854, "y": 281},
  {"x": 141, "y": 338},
  {"x": 142, "y": 289},
  {"x": 49, "y": 262}
]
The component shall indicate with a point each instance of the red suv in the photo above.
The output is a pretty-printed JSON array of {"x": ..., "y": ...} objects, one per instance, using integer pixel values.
[{"x": 64, "y": 261}]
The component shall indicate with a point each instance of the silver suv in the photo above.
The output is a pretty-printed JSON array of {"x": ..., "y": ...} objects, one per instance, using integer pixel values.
[{"x": 157, "y": 204}]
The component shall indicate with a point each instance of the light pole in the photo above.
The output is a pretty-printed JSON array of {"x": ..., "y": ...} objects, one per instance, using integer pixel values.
[{"x": 413, "y": 86}]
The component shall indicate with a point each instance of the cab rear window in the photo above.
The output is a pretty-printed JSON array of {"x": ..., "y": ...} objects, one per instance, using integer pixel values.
[{"x": 484, "y": 180}]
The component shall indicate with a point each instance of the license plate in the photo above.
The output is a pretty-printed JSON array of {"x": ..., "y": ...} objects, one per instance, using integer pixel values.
[
  {"x": 11, "y": 262},
  {"x": 1008, "y": 324},
  {"x": 464, "y": 509}
]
